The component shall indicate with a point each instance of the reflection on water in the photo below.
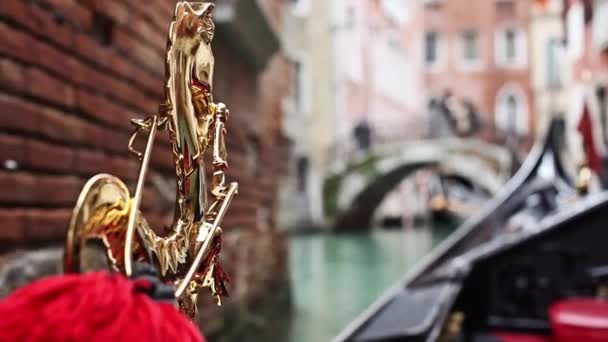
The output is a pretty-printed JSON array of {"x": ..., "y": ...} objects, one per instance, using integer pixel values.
[{"x": 335, "y": 277}]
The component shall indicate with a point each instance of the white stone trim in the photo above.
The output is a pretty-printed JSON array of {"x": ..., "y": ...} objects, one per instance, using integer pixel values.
[
  {"x": 464, "y": 64},
  {"x": 521, "y": 47},
  {"x": 501, "y": 111}
]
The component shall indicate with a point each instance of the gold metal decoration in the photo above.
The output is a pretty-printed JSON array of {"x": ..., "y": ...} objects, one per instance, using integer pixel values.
[{"x": 106, "y": 215}]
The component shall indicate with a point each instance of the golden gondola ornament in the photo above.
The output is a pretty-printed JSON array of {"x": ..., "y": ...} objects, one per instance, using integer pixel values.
[{"x": 107, "y": 216}]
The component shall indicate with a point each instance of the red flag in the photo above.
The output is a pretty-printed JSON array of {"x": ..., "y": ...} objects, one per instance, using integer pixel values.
[{"x": 585, "y": 128}]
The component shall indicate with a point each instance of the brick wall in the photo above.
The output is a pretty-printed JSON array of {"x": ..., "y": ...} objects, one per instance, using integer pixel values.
[{"x": 72, "y": 74}]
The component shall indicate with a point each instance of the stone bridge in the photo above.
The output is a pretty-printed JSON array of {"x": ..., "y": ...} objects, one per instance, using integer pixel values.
[{"x": 352, "y": 192}]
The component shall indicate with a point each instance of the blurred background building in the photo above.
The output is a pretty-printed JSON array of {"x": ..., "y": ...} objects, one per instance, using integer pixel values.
[
  {"x": 376, "y": 59},
  {"x": 586, "y": 61},
  {"x": 548, "y": 63},
  {"x": 309, "y": 119},
  {"x": 477, "y": 59}
]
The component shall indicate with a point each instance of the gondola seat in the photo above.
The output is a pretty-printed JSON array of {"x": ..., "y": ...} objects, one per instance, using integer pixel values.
[
  {"x": 518, "y": 337},
  {"x": 579, "y": 319}
]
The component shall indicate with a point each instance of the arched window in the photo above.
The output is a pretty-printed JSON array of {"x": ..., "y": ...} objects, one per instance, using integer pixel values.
[
  {"x": 302, "y": 173},
  {"x": 511, "y": 114},
  {"x": 510, "y": 46},
  {"x": 511, "y": 108}
]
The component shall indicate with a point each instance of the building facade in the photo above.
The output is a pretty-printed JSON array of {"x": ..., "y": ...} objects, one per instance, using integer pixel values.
[
  {"x": 376, "y": 72},
  {"x": 380, "y": 93},
  {"x": 478, "y": 54},
  {"x": 549, "y": 74},
  {"x": 586, "y": 49},
  {"x": 309, "y": 120}
]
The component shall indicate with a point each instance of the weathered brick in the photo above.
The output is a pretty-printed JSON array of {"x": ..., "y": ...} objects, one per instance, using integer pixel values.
[
  {"x": 99, "y": 80},
  {"x": 148, "y": 32},
  {"x": 120, "y": 65},
  {"x": 166, "y": 9},
  {"x": 94, "y": 135},
  {"x": 54, "y": 59},
  {"x": 153, "y": 14},
  {"x": 90, "y": 49},
  {"x": 68, "y": 67},
  {"x": 124, "y": 41},
  {"x": 47, "y": 224},
  {"x": 58, "y": 126},
  {"x": 121, "y": 167},
  {"x": 152, "y": 83},
  {"x": 46, "y": 24},
  {"x": 56, "y": 190},
  {"x": 17, "y": 43},
  {"x": 45, "y": 86},
  {"x": 49, "y": 157},
  {"x": 13, "y": 225},
  {"x": 150, "y": 58},
  {"x": 112, "y": 9},
  {"x": 17, "y": 187},
  {"x": 125, "y": 92},
  {"x": 16, "y": 10},
  {"x": 97, "y": 107},
  {"x": 114, "y": 141},
  {"x": 151, "y": 200},
  {"x": 12, "y": 148},
  {"x": 158, "y": 222},
  {"x": 162, "y": 157},
  {"x": 12, "y": 75},
  {"x": 18, "y": 115},
  {"x": 74, "y": 11},
  {"x": 88, "y": 161}
]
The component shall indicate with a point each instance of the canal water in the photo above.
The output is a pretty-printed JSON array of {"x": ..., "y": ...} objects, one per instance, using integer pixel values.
[{"x": 335, "y": 277}]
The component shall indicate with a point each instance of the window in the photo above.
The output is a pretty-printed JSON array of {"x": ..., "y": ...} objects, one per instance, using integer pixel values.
[
  {"x": 511, "y": 112},
  {"x": 351, "y": 18},
  {"x": 433, "y": 5},
  {"x": 600, "y": 26},
  {"x": 302, "y": 166},
  {"x": 101, "y": 29},
  {"x": 510, "y": 43},
  {"x": 553, "y": 63},
  {"x": 505, "y": 7},
  {"x": 470, "y": 46},
  {"x": 300, "y": 85},
  {"x": 431, "y": 47},
  {"x": 297, "y": 84}
]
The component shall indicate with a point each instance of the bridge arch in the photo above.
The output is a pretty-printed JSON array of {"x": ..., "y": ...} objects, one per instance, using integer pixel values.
[{"x": 353, "y": 193}]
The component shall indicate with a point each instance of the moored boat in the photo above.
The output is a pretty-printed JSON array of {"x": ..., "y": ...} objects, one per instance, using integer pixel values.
[{"x": 509, "y": 273}]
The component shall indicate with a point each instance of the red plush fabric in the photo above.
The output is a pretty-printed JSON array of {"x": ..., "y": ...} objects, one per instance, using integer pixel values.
[
  {"x": 579, "y": 319},
  {"x": 514, "y": 337},
  {"x": 92, "y": 307}
]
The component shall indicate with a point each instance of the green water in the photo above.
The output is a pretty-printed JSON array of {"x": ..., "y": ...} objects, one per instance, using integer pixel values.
[{"x": 335, "y": 277}]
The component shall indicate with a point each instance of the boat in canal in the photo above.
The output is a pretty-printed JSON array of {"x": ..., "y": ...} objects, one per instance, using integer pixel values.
[
  {"x": 453, "y": 199},
  {"x": 529, "y": 267}
]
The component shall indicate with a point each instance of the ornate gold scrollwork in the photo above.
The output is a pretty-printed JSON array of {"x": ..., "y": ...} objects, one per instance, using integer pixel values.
[{"x": 105, "y": 211}]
